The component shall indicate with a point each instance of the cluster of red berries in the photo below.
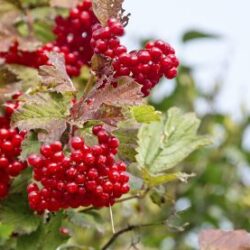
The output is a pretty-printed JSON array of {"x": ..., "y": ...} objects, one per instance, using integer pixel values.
[
  {"x": 73, "y": 35},
  {"x": 105, "y": 40},
  {"x": 17, "y": 56},
  {"x": 87, "y": 176},
  {"x": 10, "y": 148},
  {"x": 146, "y": 66}
]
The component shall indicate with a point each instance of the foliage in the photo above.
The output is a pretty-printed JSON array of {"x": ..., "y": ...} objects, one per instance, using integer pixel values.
[{"x": 162, "y": 143}]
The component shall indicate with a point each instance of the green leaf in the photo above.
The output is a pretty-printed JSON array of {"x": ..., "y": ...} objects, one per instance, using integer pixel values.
[
  {"x": 155, "y": 180},
  {"x": 47, "y": 112},
  {"x": 85, "y": 220},
  {"x": 43, "y": 31},
  {"x": 27, "y": 76},
  {"x": 195, "y": 34},
  {"x": 164, "y": 144},
  {"x": 145, "y": 114},
  {"x": 47, "y": 236},
  {"x": 127, "y": 135},
  {"x": 19, "y": 183},
  {"x": 16, "y": 78},
  {"x": 15, "y": 212},
  {"x": 30, "y": 145},
  {"x": 5, "y": 232}
]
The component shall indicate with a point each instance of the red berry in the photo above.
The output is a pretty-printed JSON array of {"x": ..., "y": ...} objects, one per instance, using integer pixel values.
[
  {"x": 46, "y": 151},
  {"x": 72, "y": 187}
]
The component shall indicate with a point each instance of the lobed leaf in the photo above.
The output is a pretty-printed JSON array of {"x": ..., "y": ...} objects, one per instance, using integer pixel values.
[
  {"x": 128, "y": 92},
  {"x": 15, "y": 212},
  {"x": 43, "y": 111},
  {"x": 55, "y": 76},
  {"x": 46, "y": 237},
  {"x": 164, "y": 144}
]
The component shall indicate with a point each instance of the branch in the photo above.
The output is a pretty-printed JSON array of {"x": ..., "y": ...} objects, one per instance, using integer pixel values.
[{"x": 128, "y": 229}]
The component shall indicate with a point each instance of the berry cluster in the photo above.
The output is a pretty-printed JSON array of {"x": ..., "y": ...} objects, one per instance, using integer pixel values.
[
  {"x": 17, "y": 56},
  {"x": 146, "y": 66},
  {"x": 105, "y": 40},
  {"x": 88, "y": 176},
  {"x": 10, "y": 148},
  {"x": 73, "y": 35}
]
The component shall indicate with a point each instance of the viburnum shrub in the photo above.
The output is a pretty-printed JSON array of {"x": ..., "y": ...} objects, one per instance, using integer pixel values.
[{"x": 81, "y": 136}]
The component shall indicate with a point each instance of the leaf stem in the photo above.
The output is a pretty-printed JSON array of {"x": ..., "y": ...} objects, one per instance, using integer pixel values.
[{"x": 112, "y": 219}]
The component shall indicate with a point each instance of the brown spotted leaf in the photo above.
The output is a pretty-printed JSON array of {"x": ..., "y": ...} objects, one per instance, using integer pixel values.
[
  {"x": 127, "y": 92},
  {"x": 110, "y": 115},
  {"x": 221, "y": 240},
  {"x": 55, "y": 76},
  {"x": 105, "y": 9},
  {"x": 45, "y": 112},
  {"x": 103, "y": 70}
]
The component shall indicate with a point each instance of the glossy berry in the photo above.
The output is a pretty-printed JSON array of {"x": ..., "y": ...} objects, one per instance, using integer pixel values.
[
  {"x": 88, "y": 176},
  {"x": 146, "y": 66},
  {"x": 73, "y": 34},
  {"x": 10, "y": 147}
]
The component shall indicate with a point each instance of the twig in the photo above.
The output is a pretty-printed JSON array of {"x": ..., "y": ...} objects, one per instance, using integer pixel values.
[{"x": 128, "y": 229}]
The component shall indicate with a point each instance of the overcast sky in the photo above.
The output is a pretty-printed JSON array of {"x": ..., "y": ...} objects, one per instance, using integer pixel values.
[{"x": 227, "y": 59}]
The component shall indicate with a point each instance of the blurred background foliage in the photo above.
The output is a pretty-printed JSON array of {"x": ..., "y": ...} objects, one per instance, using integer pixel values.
[{"x": 217, "y": 197}]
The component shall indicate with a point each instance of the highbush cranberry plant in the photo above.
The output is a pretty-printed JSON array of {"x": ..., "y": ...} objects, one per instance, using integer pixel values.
[{"x": 77, "y": 135}]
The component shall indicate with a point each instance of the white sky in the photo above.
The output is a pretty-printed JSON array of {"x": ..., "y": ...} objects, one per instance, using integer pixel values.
[{"x": 227, "y": 59}]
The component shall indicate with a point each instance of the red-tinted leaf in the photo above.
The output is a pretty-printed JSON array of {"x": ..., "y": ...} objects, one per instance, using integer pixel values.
[
  {"x": 55, "y": 76},
  {"x": 105, "y": 9},
  {"x": 128, "y": 92},
  {"x": 44, "y": 112},
  {"x": 222, "y": 240}
]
